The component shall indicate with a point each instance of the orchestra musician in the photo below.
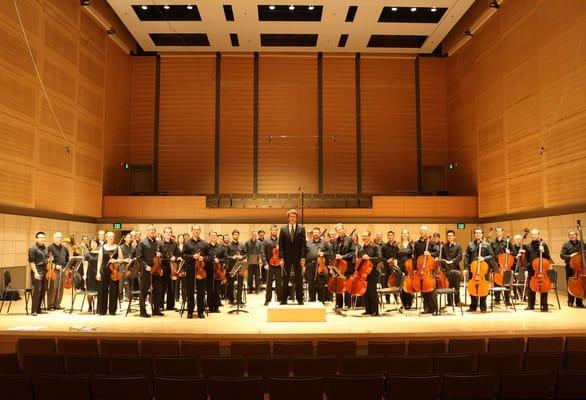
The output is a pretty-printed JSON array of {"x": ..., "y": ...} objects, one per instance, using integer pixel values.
[
  {"x": 108, "y": 291},
  {"x": 38, "y": 258},
  {"x": 419, "y": 249},
  {"x": 370, "y": 251},
  {"x": 195, "y": 249},
  {"x": 60, "y": 259},
  {"x": 316, "y": 247},
  {"x": 404, "y": 253},
  {"x": 146, "y": 250},
  {"x": 235, "y": 252},
  {"x": 90, "y": 270},
  {"x": 255, "y": 257},
  {"x": 344, "y": 249},
  {"x": 532, "y": 252},
  {"x": 486, "y": 254},
  {"x": 127, "y": 282},
  {"x": 292, "y": 249},
  {"x": 451, "y": 258},
  {"x": 389, "y": 252},
  {"x": 570, "y": 249},
  {"x": 170, "y": 252},
  {"x": 216, "y": 255},
  {"x": 274, "y": 272}
]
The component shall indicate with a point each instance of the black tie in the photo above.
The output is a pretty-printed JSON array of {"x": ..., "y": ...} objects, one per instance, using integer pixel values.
[{"x": 292, "y": 231}]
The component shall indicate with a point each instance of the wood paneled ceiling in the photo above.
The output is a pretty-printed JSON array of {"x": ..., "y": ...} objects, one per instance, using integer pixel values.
[{"x": 365, "y": 26}]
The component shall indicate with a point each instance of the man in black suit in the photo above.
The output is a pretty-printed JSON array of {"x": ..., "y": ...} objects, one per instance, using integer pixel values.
[{"x": 292, "y": 248}]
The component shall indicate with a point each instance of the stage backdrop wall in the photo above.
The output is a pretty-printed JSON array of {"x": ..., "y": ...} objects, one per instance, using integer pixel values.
[{"x": 517, "y": 86}]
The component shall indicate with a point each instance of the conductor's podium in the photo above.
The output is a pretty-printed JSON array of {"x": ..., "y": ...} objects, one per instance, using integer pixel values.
[{"x": 308, "y": 312}]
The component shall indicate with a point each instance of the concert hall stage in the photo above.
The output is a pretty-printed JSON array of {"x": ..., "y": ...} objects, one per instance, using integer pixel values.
[{"x": 254, "y": 326}]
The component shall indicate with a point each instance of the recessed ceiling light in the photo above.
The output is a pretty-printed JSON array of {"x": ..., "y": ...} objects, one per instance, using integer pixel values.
[
  {"x": 433, "y": 9},
  {"x": 394, "y": 8},
  {"x": 271, "y": 7},
  {"x": 291, "y": 7},
  {"x": 310, "y": 8},
  {"x": 166, "y": 7},
  {"x": 413, "y": 9},
  {"x": 144, "y": 7},
  {"x": 190, "y": 7}
]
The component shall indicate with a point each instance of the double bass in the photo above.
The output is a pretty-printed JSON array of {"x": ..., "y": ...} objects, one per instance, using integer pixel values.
[
  {"x": 505, "y": 261},
  {"x": 577, "y": 282},
  {"x": 422, "y": 280},
  {"x": 477, "y": 285},
  {"x": 540, "y": 282}
]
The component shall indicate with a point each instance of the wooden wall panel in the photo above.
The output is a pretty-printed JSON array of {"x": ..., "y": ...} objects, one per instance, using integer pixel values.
[
  {"x": 387, "y": 95},
  {"x": 187, "y": 124},
  {"x": 17, "y": 184},
  {"x": 339, "y": 124},
  {"x": 18, "y": 139},
  {"x": 142, "y": 110},
  {"x": 288, "y": 114},
  {"x": 434, "y": 114},
  {"x": 542, "y": 78},
  {"x": 236, "y": 124}
]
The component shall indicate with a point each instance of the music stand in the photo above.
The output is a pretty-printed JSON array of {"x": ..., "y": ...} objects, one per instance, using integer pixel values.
[
  {"x": 73, "y": 265},
  {"x": 238, "y": 270}
]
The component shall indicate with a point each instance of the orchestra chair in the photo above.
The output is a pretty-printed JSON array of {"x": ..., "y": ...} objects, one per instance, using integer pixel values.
[
  {"x": 348, "y": 387},
  {"x": 423, "y": 387},
  {"x": 444, "y": 293},
  {"x": 159, "y": 348},
  {"x": 496, "y": 362},
  {"x": 177, "y": 366},
  {"x": 506, "y": 287},
  {"x": 506, "y": 345},
  {"x": 8, "y": 290},
  {"x": 230, "y": 388},
  {"x": 520, "y": 284},
  {"x": 57, "y": 387},
  {"x": 118, "y": 347},
  {"x": 409, "y": 365},
  {"x": 426, "y": 347},
  {"x": 552, "y": 274},
  {"x": 542, "y": 361},
  {"x": 267, "y": 367},
  {"x": 9, "y": 364},
  {"x": 132, "y": 366},
  {"x": 394, "y": 293},
  {"x": 78, "y": 346},
  {"x": 384, "y": 349},
  {"x": 545, "y": 344},
  {"x": 292, "y": 350},
  {"x": 335, "y": 348},
  {"x": 466, "y": 346},
  {"x": 84, "y": 293},
  {"x": 470, "y": 386},
  {"x": 16, "y": 387},
  {"x": 200, "y": 349},
  {"x": 120, "y": 387},
  {"x": 575, "y": 361},
  {"x": 225, "y": 367},
  {"x": 575, "y": 343},
  {"x": 35, "y": 346},
  {"x": 323, "y": 366},
  {"x": 362, "y": 365},
  {"x": 179, "y": 388},
  {"x": 295, "y": 388},
  {"x": 453, "y": 363},
  {"x": 526, "y": 385},
  {"x": 570, "y": 385},
  {"x": 248, "y": 349},
  {"x": 35, "y": 364},
  {"x": 79, "y": 364},
  {"x": 133, "y": 298}
]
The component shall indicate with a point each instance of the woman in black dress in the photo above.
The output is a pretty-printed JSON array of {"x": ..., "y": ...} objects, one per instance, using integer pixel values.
[
  {"x": 404, "y": 253},
  {"x": 109, "y": 289},
  {"x": 90, "y": 268}
]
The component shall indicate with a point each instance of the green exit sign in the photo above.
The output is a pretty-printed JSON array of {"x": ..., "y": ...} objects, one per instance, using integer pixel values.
[
  {"x": 461, "y": 225},
  {"x": 117, "y": 225}
]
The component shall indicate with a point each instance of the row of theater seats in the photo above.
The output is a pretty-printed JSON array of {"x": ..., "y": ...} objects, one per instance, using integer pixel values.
[
  {"x": 298, "y": 348},
  {"x": 532, "y": 385},
  {"x": 270, "y": 366}
]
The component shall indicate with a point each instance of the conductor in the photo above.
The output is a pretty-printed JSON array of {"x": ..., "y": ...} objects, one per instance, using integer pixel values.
[{"x": 292, "y": 248}]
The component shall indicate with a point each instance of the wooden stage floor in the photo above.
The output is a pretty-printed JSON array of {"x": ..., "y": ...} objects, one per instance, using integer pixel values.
[{"x": 254, "y": 326}]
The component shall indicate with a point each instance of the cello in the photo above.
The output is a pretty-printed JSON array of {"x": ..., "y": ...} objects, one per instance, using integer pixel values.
[
  {"x": 540, "y": 282},
  {"x": 337, "y": 282},
  {"x": 356, "y": 284},
  {"x": 423, "y": 280},
  {"x": 441, "y": 281},
  {"x": 477, "y": 285},
  {"x": 505, "y": 261},
  {"x": 577, "y": 282}
]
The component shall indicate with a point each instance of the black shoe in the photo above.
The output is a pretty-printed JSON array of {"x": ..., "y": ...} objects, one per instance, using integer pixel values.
[
  {"x": 300, "y": 302},
  {"x": 200, "y": 316},
  {"x": 159, "y": 314},
  {"x": 579, "y": 305},
  {"x": 544, "y": 309},
  {"x": 283, "y": 303},
  {"x": 145, "y": 315},
  {"x": 471, "y": 310},
  {"x": 112, "y": 313},
  {"x": 509, "y": 304},
  {"x": 190, "y": 316},
  {"x": 59, "y": 308},
  {"x": 170, "y": 308},
  {"x": 571, "y": 304},
  {"x": 266, "y": 303},
  {"x": 365, "y": 313},
  {"x": 375, "y": 314},
  {"x": 529, "y": 308},
  {"x": 483, "y": 310},
  {"x": 34, "y": 314}
]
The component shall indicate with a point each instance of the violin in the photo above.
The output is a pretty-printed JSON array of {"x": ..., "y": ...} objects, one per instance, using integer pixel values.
[
  {"x": 157, "y": 268},
  {"x": 577, "y": 282},
  {"x": 115, "y": 273},
  {"x": 322, "y": 268},
  {"x": 275, "y": 259},
  {"x": 505, "y": 261},
  {"x": 128, "y": 270},
  {"x": 478, "y": 285},
  {"x": 540, "y": 282},
  {"x": 51, "y": 273},
  {"x": 423, "y": 280},
  {"x": 200, "y": 270},
  {"x": 441, "y": 281},
  {"x": 393, "y": 272},
  {"x": 220, "y": 272},
  {"x": 177, "y": 269}
]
